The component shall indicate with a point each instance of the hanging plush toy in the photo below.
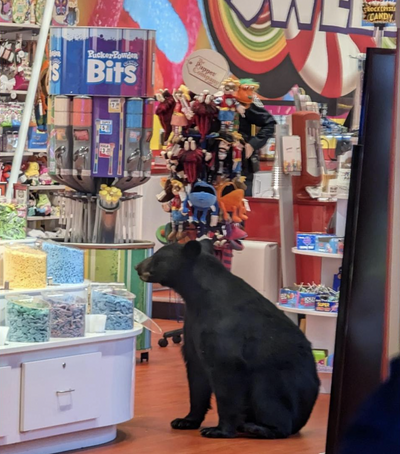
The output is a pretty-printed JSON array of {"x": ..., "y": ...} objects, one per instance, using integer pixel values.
[
  {"x": 164, "y": 111},
  {"x": 228, "y": 104},
  {"x": 176, "y": 207},
  {"x": 191, "y": 158},
  {"x": 223, "y": 161},
  {"x": 182, "y": 112},
  {"x": 166, "y": 195},
  {"x": 230, "y": 201},
  {"x": 203, "y": 198},
  {"x": 204, "y": 110},
  {"x": 237, "y": 153},
  {"x": 247, "y": 92}
]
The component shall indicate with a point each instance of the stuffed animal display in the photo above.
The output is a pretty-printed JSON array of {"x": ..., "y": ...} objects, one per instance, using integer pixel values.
[{"x": 204, "y": 152}]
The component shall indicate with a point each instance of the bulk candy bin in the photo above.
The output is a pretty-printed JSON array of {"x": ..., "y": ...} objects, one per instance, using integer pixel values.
[
  {"x": 117, "y": 304},
  {"x": 25, "y": 267},
  {"x": 67, "y": 314},
  {"x": 65, "y": 264},
  {"x": 28, "y": 319}
]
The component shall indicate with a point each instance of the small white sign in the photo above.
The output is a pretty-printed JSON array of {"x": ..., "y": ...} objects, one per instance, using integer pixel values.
[
  {"x": 205, "y": 69},
  {"x": 291, "y": 146}
]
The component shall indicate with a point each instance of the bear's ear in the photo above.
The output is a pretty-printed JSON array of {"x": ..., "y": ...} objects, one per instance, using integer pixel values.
[
  {"x": 192, "y": 250},
  {"x": 207, "y": 246}
]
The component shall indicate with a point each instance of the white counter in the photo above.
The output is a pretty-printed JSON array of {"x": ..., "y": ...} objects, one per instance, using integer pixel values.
[{"x": 67, "y": 393}]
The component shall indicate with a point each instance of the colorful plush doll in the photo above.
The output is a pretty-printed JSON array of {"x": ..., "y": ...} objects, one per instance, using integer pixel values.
[
  {"x": 230, "y": 201},
  {"x": 228, "y": 104},
  {"x": 247, "y": 91},
  {"x": 182, "y": 112},
  {"x": 164, "y": 111},
  {"x": 191, "y": 158},
  {"x": 204, "y": 110},
  {"x": 178, "y": 216},
  {"x": 237, "y": 153},
  {"x": 72, "y": 17},
  {"x": 203, "y": 198}
]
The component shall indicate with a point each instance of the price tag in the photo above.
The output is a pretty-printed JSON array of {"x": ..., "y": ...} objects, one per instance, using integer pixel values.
[
  {"x": 106, "y": 127},
  {"x": 105, "y": 150},
  {"x": 246, "y": 205},
  {"x": 114, "y": 105}
]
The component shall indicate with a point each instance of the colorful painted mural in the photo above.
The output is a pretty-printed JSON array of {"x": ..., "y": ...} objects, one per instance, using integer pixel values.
[{"x": 281, "y": 43}]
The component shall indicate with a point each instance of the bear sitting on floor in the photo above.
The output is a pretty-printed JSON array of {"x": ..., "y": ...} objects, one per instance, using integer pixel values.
[{"x": 237, "y": 345}]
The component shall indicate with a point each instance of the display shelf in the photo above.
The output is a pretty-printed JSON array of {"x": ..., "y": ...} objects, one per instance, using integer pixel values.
[
  {"x": 59, "y": 287},
  {"x": 37, "y": 150},
  {"x": 90, "y": 338},
  {"x": 48, "y": 187},
  {"x": 317, "y": 254},
  {"x": 12, "y": 27},
  {"x": 8, "y": 154},
  {"x": 42, "y": 218},
  {"x": 311, "y": 312},
  {"x": 13, "y": 92}
]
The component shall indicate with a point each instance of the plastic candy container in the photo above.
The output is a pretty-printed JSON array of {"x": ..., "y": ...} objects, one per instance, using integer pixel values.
[
  {"x": 67, "y": 314},
  {"x": 65, "y": 265},
  {"x": 117, "y": 305},
  {"x": 28, "y": 318},
  {"x": 25, "y": 267},
  {"x": 97, "y": 286}
]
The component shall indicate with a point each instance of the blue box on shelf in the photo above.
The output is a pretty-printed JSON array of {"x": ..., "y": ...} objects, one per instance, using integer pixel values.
[
  {"x": 288, "y": 297},
  {"x": 37, "y": 139},
  {"x": 326, "y": 306},
  {"x": 306, "y": 300}
]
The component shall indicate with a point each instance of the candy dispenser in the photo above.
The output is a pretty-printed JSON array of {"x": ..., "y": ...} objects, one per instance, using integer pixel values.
[
  {"x": 65, "y": 264},
  {"x": 25, "y": 267},
  {"x": 117, "y": 304},
  {"x": 67, "y": 314},
  {"x": 100, "y": 140},
  {"x": 28, "y": 318}
]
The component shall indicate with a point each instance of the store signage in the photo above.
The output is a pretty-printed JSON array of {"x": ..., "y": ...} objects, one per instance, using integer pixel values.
[
  {"x": 205, "y": 70},
  {"x": 338, "y": 16},
  {"x": 379, "y": 12},
  {"x": 101, "y": 62}
]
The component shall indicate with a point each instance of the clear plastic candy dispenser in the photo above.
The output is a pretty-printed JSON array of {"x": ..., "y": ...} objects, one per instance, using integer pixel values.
[
  {"x": 28, "y": 319},
  {"x": 65, "y": 264},
  {"x": 67, "y": 314},
  {"x": 117, "y": 304},
  {"x": 97, "y": 286},
  {"x": 25, "y": 267}
]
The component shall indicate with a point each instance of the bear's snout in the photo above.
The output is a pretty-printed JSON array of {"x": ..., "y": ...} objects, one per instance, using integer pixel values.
[{"x": 143, "y": 269}]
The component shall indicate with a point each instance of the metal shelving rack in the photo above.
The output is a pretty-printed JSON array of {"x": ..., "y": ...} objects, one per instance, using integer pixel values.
[{"x": 43, "y": 29}]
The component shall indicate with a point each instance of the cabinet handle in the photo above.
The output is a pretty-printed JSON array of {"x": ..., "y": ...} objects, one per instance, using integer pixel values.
[{"x": 66, "y": 391}]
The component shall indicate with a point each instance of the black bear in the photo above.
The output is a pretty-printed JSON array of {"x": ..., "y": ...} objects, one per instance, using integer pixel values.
[{"x": 237, "y": 345}]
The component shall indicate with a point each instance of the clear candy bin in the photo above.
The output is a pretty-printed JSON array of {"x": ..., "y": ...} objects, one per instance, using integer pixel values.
[
  {"x": 67, "y": 313},
  {"x": 25, "y": 267},
  {"x": 28, "y": 318},
  {"x": 65, "y": 264},
  {"x": 117, "y": 304}
]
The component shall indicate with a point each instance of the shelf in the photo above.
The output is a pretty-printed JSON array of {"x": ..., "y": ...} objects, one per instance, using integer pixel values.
[
  {"x": 90, "y": 338},
  {"x": 317, "y": 254},
  {"x": 12, "y": 154},
  {"x": 15, "y": 92},
  {"x": 37, "y": 150},
  {"x": 311, "y": 312},
  {"x": 48, "y": 187},
  {"x": 42, "y": 218},
  {"x": 6, "y": 27}
]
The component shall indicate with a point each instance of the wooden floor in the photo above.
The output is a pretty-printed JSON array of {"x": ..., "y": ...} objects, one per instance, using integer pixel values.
[{"x": 162, "y": 395}]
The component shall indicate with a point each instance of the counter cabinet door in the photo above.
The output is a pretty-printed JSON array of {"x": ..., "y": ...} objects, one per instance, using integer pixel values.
[{"x": 61, "y": 391}]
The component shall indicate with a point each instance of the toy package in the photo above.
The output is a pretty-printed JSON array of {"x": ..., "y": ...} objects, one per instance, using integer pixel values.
[
  {"x": 320, "y": 242},
  {"x": 204, "y": 151}
]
